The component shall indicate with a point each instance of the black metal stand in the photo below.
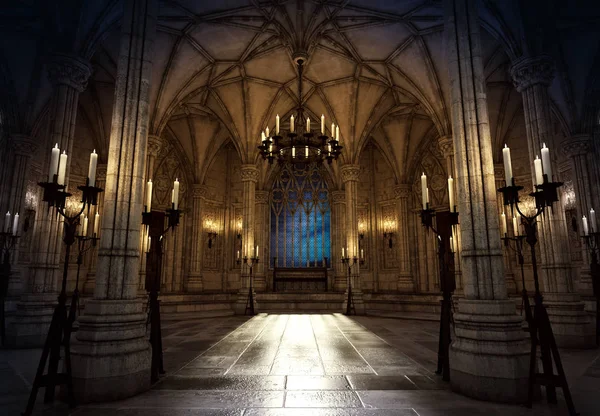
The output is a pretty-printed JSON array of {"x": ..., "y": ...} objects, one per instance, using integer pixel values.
[
  {"x": 7, "y": 242},
  {"x": 443, "y": 230},
  {"x": 518, "y": 248},
  {"x": 155, "y": 221},
  {"x": 592, "y": 241},
  {"x": 59, "y": 333},
  {"x": 250, "y": 301},
  {"x": 349, "y": 262},
  {"x": 539, "y": 325}
]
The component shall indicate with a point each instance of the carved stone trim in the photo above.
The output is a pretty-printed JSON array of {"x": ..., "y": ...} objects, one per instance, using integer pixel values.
[
  {"x": 350, "y": 172},
  {"x": 527, "y": 72},
  {"x": 338, "y": 197},
  {"x": 249, "y": 173},
  {"x": 155, "y": 143},
  {"x": 446, "y": 145},
  {"x": 402, "y": 191},
  {"x": 69, "y": 70},
  {"x": 199, "y": 191},
  {"x": 101, "y": 171},
  {"x": 23, "y": 145},
  {"x": 578, "y": 145},
  {"x": 261, "y": 197}
]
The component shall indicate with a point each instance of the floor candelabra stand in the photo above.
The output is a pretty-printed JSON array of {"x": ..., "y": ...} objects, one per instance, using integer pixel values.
[
  {"x": 8, "y": 241},
  {"x": 155, "y": 221},
  {"x": 250, "y": 262},
  {"x": 61, "y": 326},
  {"x": 349, "y": 262},
  {"x": 540, "y": 329},
  {"x": 83, "y": 247},
  {"x": 516, "y": 244},
  {"x": 445, "y": 220},
  {"x": 592, "y": 242}
]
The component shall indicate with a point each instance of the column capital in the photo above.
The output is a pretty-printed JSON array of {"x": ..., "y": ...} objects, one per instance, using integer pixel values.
[
  {"x": 446, "y": 145},
  {"x": 70, "y": 70},
  {"x": 338, "y": 197},
  {"x": 23, "y": 145},
  {"x": 578, "y": 145},
  {"x": 350, "y": 172},
  {"x": 402, "y": 191},
  {"x": 526, "y": 72},
  {"x": 249, "y": 173},
  {"x": 155, "y": 143},
  {"x": 261, "y": 197},
  {"x": 101, "y": 171},
  {"x": 499, "y": 170}
]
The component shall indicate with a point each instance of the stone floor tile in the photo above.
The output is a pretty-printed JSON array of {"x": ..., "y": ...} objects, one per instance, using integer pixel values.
[
  {"x": 328, "y": 412},
  {"x": 373, "y": 382},
  {"x": 222, "y": 383},
  {"x": 303, "y": 398},
  {"x": 317, "y": 383}
]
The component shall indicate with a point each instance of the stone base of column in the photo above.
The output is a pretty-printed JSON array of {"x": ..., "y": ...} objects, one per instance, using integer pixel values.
[
  {"x": 340, "y": 283},
  {"x": 260, "y": 282},
  {"x": 239, "y": 306},
  {"x": 111, "y": 355},
  {"x": 489, "y": 355},
  {"x": 357, "y": 301},
  {"x": 406, "y": 284},
  {"x": 90, "y": 284},
  {"x": 31, "y": 320},
  {"x": 195, "y": 284},
  {"x": 511, "y": 284},
  {"x": 571, "y": 324}
]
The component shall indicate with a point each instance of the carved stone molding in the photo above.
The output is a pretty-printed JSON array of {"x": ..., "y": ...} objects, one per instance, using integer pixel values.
[
  {"x": 526, "y": 72},
  {"x": 199, "y": 191},
  {"x": 155, "y": 143},
  {"x": 446, "y": 145},
  {"x": 578, "y": 145},
  {"x": 249, "y": 173},
  {"x": 101, "y": 171},
  {"x": 69, "y": 70},
  {"x": 338, "y": 197},
  {"x": 23, "y": 145},
  {"x": 499, "y": 171},
  {"x": 402, "y": 191},
  {"x": 350, "y": 172},
  {"x": 261, "y": 197}
]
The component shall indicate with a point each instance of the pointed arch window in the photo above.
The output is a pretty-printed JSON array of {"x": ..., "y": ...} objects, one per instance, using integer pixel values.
[{"x": 300, "y": 217}]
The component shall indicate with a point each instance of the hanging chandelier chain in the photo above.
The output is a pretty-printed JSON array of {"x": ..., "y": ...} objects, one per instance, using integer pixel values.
[{"x": 300, "y": 71}]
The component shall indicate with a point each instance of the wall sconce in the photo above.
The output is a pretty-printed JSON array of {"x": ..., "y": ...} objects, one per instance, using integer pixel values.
[
  {"x": 361, "y": 229},
  {"x": 389, "y": 227},
  {"x": 211, "y": 226}
]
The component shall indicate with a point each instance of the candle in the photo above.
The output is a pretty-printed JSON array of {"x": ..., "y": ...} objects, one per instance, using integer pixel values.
[
  {"x": 322, "y": 124},
  {"x": 92, "y": 168},
  {"x": 172, "y": 196},
  {"x": 257, "y": 251},
  {"x": 53, "y": 163},
  {"x": 292, "y": 124},
  {"x": 593, "y": 220},
  {"x": 277, "y": 125},
  {"x": 271, "y": 148},
  {"x": 62, "y": 168},
  {"x": 307, "y": 124},
  {"x": 7, "y": 221},
  {"x": 585, "y": 226},
  {"x": 96, "y": 225},
  {"x": 537, "y": 165},
  {"x": 262, "y": 136},
  {"x": 362, "y": 253},
  {"x": 293, "y": 152},
  {"x": 15, "y": 227},
  {"x": 306, "y": 152},
  {"x": 176, "y": 194},
  {"x": 267, "y": 132},
  {"x": 517, "y": 223},
  {"x": 333, "y": 130},
  {"x": 546, "y": 162},
  {"x": 507, "y": 165},
  {"x": 428, "y": 195},
  {"x": 149, "y": 196},
  {"x": 424, "y": 190},
  {"x": 238, "y": 254},
  {"x": 343, "y": 249},
  {"x": 85, "y": 226},
  {"x": 337, "y": 133},
  {"x": 329, "y": 147},
  {"x": 149, "y": 242},
  {"x": 451, "y": 244},
  {"x": 451, "y": 194},
  {"x": 504, "y": 227}
]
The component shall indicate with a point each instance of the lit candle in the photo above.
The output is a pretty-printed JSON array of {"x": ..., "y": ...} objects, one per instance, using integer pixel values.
[
  {"x": 7, "y": 221},
  {"x": 262, "y": 136},
  {"x": 292, "y": 124},
  {"x": 337, "y": 133},
  {"x": 306, "y": 152},
  {"x": 546, "y": 162},
  {"x": 267, "y": 132},
  {"x": 277, "y": 125},
  {"x": 593, "y": 220},
  {"x": 329, "y": 147},
  {"x": 451, "y": 194},
  {"x": 92, "y": 168},
  {"x": 586, "y": 231},
  {"x": 149, "y": 196},
  {"x": 172, "y": 196},
  {"x": 257, "y": 251},
  {"x": 507, "y": 165},
  {"x": 238, "y": 254},
  {"x": 96, "y": 225},
  {"x": 307, "y": 124},
  {"x": 517, "y": 223},
  {"x": 62, "y": 168},
  {"x": 424, "y": 190},
  {"x": 271, "y": 148},
  {"x": 149, "y": 242},
  {"x": 176, "y": 194},
  {"x": 333, "y": 130},
  {"x": 53, "y": 163},
  {"x": 451, "y": 244},
  {"x": 85, "y": 226},
  {"x": 504, "y": 227},
  {"x": 537, "y": 165},
  {"x": 15, "y": 227},
  {"x": 322, "y": 124},
  {"x": 343, "y": 249},
  {"x": 362, "y": 253},
  {"x": 293, "y": 152}
]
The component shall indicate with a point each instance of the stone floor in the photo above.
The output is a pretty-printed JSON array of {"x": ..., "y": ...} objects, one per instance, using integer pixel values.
[{"x": 299, "y": 365}]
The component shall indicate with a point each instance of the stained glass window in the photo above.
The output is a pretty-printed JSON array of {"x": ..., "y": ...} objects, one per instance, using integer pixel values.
[{"x": 300, "y": 217}]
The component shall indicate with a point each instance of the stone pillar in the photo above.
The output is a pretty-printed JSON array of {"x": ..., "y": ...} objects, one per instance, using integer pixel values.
[
  {"x": 489, "y": 355},
  {"x": 249, "y": 173},
  {"x": 90, "y": 281},
  {"x": 570, "y": 323},
  {"x": 350, "y": 176},
  {"x": 69, "y": 76},
  {"x": 338, "y": 228},
  {"x": 111, "y": 341},
  {"x": 261, "y": 238},
  {"x": 405, "y": 278},
  {"x": 446, "y": 145},
  {"x": 195, "y": 283},
  {"x": 577, "y": 150}
]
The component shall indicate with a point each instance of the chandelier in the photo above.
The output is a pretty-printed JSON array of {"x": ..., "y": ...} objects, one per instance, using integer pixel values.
[{"x": 299, "y": 144}]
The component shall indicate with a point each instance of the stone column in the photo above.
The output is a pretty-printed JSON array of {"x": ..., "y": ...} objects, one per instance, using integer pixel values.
[
  {"x": 350, "y": 176},
  {"x": 489, "y": 355},
  {"x": 69, "y": 76},
  {"x": 570, "y": 323},
  {"x": 111, "y": 341},
  {"x": 446, "y": 145},
  {"x": 577, "y": 150},
  {"x": 195, "y": 283},
  {"x": 405, "y": 278},
  {"x": 338, "y": 228},
  {"x": 249, "y": 173},
  {"x": 262, "y": 238},
  {"x": 90, "y": 281}
]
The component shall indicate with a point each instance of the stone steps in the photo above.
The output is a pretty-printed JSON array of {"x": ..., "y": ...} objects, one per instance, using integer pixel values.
[{"x": 329, "y": 302}]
